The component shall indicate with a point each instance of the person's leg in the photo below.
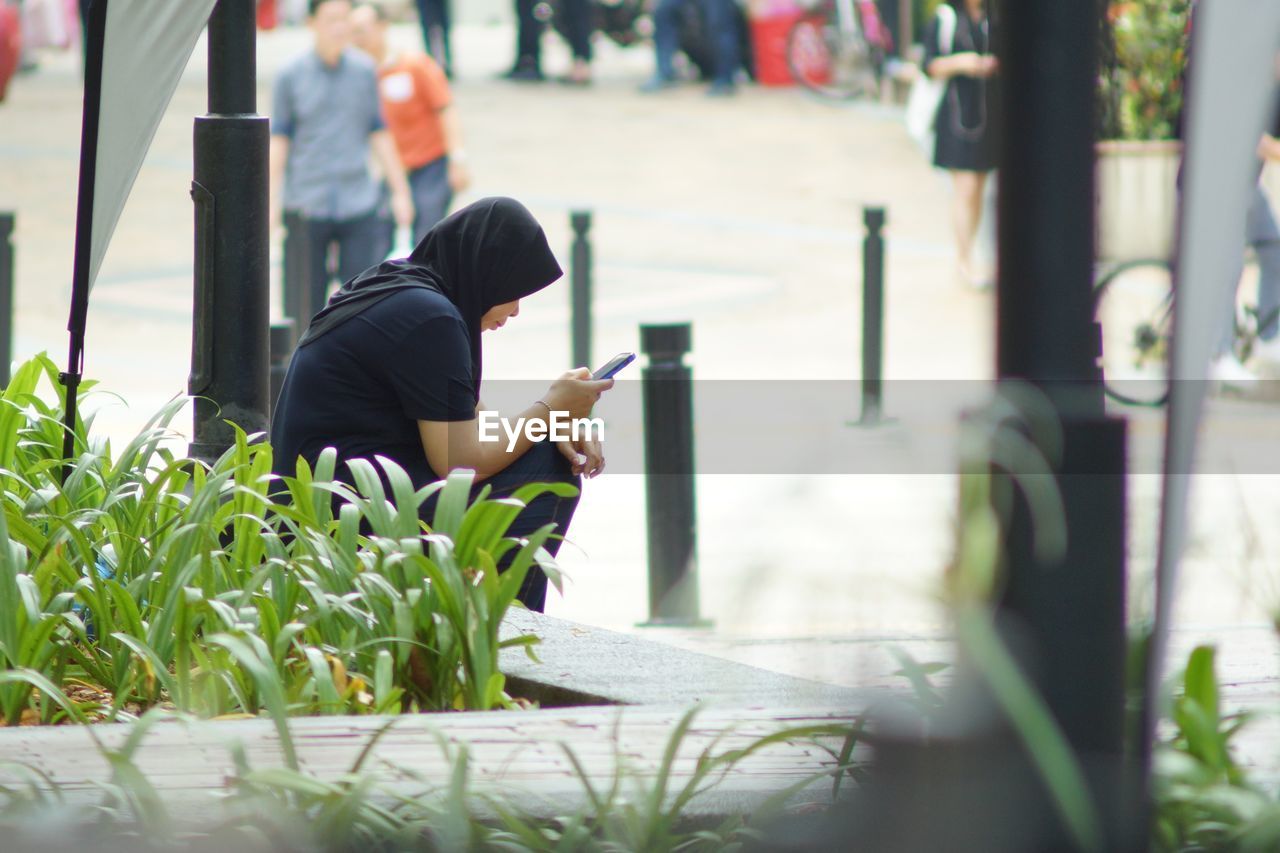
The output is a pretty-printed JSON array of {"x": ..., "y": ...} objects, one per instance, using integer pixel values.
[
  {"x": 319, "y": 238},
  {"x": 578, "y": 31},
  {"x": 433, "y": 15},
  {"x": 578, "y": 15},
  {"x": 445, "y": 17},
  {"x": 431, "y": 196},
  {"x": 984, "y": 241},
  {"x": 361, "y": 244},
  {"x": 666, "y": 37},
  {"x": 1264, "y": 236},
  {"x": 528, "y": 64},
  {"x": 722, "y": 31},
  {"x": 426, "y": 20},
  {"x": 966, "y": 208},
  {"x": 543, "y": 463}
]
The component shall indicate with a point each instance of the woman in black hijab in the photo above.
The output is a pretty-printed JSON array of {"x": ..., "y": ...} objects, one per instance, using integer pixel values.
[{"x": 392, "y": 366}]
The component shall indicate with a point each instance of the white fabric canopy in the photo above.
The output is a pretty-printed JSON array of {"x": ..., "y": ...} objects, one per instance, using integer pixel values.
[
  {"x": 1231, "y": 92},
  {"x": 146, "y": 46}
]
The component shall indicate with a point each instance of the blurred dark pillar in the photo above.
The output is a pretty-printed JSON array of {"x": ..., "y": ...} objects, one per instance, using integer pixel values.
[{"x": 1065, "y": 616}]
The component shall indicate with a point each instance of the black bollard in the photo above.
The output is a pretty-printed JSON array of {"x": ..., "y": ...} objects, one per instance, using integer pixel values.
[
  {"x": 296, "y": 290},
  {"x": 283, "y": 338},
  {"x": 669, "y": 493},
  {"x": 872, "y": 317},
  {"x": 580, "y": 274},
  {"x": 232, "y": 293},
  {"x": 6, "y": 296}
]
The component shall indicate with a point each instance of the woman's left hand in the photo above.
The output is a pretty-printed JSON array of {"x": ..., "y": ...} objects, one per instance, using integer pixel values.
[{"x": 585, "y": 456}]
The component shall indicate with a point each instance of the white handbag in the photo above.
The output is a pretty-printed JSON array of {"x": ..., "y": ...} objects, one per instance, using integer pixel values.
[{"x": 926, "y": 92}]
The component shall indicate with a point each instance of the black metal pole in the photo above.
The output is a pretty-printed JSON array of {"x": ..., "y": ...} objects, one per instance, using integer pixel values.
[
  {"x": 283, "y": 338},
  {"x": 1066, "y": 613},
  {"x": 667, "y": 388},
  {"x": 872, "y": 316},
  {"x": 6, "y": 297},
  {"x": 229, "y": 345},
  {"x": 95, "y": 40},
  {"x": 580, "y": 272}
]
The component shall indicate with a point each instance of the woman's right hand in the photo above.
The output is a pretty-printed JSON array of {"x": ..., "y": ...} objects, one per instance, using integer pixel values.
[
  {"x": 973, "y": 64},
  {"x": 576, "y": 392}
]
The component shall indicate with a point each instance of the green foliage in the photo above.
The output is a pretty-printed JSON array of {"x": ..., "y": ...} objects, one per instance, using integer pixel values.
[
  {"x": 1204, "y": 799},
  {"x": 273, "y": 808},
  {"x": 1143, "y": 55},
  {"x": 146, "y": 579}
]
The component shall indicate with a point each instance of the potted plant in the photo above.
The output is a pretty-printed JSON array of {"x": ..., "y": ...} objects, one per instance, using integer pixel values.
[{"x": 1143, "y": 47}]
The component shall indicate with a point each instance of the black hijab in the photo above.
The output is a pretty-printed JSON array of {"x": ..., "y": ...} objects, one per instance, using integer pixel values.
[{"x": 486, "y": 254}]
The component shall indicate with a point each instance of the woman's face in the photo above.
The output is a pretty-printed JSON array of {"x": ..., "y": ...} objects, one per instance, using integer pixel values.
[{"x": 497, "y": 316}]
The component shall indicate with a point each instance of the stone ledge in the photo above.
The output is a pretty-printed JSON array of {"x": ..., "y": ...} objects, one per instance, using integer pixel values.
[{"x": 584, "y": 665}]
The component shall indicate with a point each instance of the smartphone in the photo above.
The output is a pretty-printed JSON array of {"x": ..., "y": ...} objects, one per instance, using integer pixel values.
[{"x": 615, "y": 364}]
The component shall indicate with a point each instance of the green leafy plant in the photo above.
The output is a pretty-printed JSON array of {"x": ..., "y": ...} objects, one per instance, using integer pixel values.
[
  {"x": 269, "y": 808},
  {"x": 1204, "y": 798},
  {"x": 142, "y": 579},
  {"x": 1143, "y": 56}
]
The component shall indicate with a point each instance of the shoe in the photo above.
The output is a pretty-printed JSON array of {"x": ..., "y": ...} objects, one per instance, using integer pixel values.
[
  {"x": 722, "y": 90},
  {"x": 524, "y": 72},
  {"x": 526, "y": 75},
  {"x": 657, "y": 83},
  {"x": 1228, "y": 370}
]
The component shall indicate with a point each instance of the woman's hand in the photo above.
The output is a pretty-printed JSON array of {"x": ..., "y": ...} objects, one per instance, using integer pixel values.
[
  {"x": 586, "y": 457},
  {"x": 973, "y": 64},
  {"x": 576, "y": 392}
]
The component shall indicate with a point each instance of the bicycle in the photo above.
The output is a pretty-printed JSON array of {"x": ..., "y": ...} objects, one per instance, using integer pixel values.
[
  {"x": 837, "y": 48},
  {"x": 1133, "y": 305}
]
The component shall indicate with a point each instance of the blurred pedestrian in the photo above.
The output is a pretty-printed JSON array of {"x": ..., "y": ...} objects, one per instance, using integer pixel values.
[
  {"x": 1263, "y": 235},
  {"x": 528, "y": 64},
  {"x": 721, "y": 26},
  {"x": 968, "y": 122},
  {"x": 578, "y": 27},
  {"x": 435, "y": 18},
  {"x": 417, "y": 106},
  {"x": 325, "y": 120}
]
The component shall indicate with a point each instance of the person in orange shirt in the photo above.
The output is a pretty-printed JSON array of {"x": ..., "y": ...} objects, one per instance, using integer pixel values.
[{"x": 417, "y": 106}]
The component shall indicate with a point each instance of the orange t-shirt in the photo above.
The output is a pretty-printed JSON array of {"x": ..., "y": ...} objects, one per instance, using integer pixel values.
[{"x": 414, "y": 90}]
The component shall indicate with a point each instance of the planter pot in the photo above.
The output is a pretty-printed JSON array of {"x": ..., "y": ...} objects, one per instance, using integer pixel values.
[{"x": 1137, "y": 198}]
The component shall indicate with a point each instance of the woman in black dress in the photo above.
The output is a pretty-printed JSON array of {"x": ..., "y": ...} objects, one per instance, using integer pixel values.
[{"x": 967, "y": 124}]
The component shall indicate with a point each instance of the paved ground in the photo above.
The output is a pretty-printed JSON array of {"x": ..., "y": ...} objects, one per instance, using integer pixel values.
[{"x": 741, "y": 216}]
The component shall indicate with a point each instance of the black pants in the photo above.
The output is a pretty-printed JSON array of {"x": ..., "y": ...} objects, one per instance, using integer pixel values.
[
  {"x": 543, "y": 463},
  {"x": 577, "y": 14},
  {"x": 528, "y": 36},
  {"x": 360, "y": 243},
  {"x": 434, "y": 17}
]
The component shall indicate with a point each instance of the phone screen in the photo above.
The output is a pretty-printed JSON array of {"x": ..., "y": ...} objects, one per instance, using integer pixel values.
[{"x": 615, "y": 364}]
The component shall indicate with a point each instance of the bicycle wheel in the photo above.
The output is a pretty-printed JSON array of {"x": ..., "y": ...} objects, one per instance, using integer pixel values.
[
  {"x": 1133, "y": 305},
  {"x": 828, "y": 62}
]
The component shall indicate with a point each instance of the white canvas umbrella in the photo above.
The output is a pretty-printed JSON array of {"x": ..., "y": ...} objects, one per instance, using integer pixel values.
[
  {"x": 1231, "y": 91},
  {"x": 135, "y": 53}
]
